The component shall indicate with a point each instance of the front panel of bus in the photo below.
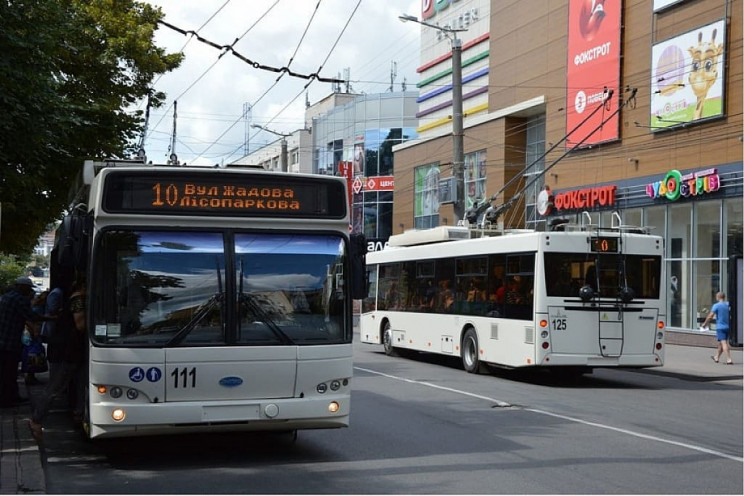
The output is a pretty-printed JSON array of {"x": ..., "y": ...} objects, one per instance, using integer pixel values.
[{"x": 219, "y": 324}]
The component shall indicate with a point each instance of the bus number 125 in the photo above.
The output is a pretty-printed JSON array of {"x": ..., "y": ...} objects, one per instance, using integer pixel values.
[{"x": 559, "y": 324}]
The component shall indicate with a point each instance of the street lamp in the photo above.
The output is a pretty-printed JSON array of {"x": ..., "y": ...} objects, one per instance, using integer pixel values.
[
  {"x": 285, "y": 168},
  {"x": 458, "y": 160}
]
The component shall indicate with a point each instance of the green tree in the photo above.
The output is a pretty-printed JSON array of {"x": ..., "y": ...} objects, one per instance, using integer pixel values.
[
  {"x": 69, "y": 70},
  {"x": 10, "y": 269}
]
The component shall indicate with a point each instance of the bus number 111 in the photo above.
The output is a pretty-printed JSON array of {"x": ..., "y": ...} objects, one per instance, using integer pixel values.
[{"x": 185, "y": 375}]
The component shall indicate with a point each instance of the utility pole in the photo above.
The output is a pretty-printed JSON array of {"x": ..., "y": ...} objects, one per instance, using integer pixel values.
[
  {"x": 458, "y": 152},
  {"x": 283, "y": 154},
  {"x": 173, "y": 158},
  {"x": 247, "y": 107}
]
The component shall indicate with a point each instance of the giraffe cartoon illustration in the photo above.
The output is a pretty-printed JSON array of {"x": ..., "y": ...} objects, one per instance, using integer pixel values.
[{"x": 704, "y": 69}]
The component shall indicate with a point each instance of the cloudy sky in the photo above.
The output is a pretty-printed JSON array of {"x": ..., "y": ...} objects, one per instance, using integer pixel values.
[{"x": 317, "y": 36}]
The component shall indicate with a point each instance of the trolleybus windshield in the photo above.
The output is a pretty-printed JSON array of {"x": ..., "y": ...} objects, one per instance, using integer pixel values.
[{"x": 177, "y": 288}]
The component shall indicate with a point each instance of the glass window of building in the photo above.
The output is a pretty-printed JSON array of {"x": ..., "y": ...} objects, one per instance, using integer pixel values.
[
  {"x": 535, "y": 149},
  {"x": 426, "y": 196},
  {"x": 733, "y": 218},
  {"x": 633, "y": 217},
  {"x": 475, "y": 177}
]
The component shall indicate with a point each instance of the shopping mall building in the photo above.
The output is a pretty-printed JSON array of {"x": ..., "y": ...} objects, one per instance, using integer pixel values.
[{"x": 585, "y": 108}]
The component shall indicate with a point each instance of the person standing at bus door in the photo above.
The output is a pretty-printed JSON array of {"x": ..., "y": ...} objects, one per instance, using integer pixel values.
[
  {"x": 65, "y": 354},
  {"x": 34, "y": 345},
  {"x": 15, "y": 311},
  {"x": 720, "y": 310}
]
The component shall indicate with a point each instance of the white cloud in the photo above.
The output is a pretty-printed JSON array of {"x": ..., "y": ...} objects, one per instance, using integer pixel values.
[{"x": 210, "y": 127}]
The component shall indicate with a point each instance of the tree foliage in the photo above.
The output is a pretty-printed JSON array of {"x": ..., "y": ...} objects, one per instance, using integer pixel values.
[{"x": 69, "y": 70}]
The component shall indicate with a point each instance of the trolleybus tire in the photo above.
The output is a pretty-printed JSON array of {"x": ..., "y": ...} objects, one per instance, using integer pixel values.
[
  {"x": 470, "y": 360},
  {"x": 387, "y": 341}
]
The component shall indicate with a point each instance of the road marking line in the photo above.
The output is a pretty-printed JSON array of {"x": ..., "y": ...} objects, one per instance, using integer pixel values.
[{"x": 564, "y": 417}]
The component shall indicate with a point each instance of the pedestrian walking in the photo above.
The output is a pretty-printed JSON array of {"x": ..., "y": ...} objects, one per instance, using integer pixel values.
[{"x": 720, "y": 310}]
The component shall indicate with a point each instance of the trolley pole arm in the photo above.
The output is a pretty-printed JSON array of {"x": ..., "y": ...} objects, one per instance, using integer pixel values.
[{"x": 476, "y": 211}]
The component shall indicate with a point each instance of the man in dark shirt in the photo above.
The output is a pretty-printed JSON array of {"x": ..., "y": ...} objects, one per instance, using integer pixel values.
[{"x": 15, "y": 311}]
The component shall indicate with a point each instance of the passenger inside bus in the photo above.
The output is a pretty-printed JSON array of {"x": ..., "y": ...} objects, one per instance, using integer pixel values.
[
  {"x": 446, "y": 299},
  {"x": 392, "y": 297},
  {"x": 514, "y": 294}
]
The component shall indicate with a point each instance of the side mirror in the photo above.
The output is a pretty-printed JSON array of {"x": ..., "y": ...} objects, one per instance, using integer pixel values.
[{"x": 358, "y": 276}]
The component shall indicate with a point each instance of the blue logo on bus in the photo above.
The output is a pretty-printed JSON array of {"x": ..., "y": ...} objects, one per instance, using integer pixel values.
[
  {"x": 137, "y": 374},
  {"x": 154, "y": 374},
  {"x": 231, "y": 381}
]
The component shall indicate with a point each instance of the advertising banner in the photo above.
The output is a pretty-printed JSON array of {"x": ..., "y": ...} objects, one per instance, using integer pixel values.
[
  {"x": 426, "y": 187},
  {"x": 687, "y": 77},
  {"x": 593, "y": 68}
]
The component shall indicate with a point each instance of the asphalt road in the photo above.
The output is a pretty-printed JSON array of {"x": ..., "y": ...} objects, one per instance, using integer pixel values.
[{"x": 423, "y": 426}]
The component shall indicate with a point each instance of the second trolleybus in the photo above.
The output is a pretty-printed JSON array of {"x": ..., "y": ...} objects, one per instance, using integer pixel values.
[{"x": 571, "y": 299}]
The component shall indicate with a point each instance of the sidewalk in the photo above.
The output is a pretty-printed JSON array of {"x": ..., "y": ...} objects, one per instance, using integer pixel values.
[{"x": 21, "y": 471}]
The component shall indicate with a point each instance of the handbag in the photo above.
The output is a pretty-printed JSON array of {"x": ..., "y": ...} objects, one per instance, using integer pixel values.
[{"x": 33, "y": 358}]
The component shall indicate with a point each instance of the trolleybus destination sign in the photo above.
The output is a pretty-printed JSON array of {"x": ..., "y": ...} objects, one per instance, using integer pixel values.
[{"x": 222, "y": 194}]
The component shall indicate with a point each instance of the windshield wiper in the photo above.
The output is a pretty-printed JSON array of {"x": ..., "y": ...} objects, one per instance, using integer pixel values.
[
  {"x": 198, "y": 316},
  {"x": 263, "y": 316}
]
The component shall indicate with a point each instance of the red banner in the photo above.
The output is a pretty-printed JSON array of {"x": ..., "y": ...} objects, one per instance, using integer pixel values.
[
  {"x": 379, "y": 183},
  {"x": 593, "y": 67}
]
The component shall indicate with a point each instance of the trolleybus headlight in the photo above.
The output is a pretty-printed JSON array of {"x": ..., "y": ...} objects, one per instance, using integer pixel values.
[
  {"x": 116, "y": 392},
  {"x": 322, "y": 387},
  {"x": 119, "y": 414},
  {"x": 335, "y": 385},
  {"x": 132, "y": 394},
  {"x": 333, "y": 407}
]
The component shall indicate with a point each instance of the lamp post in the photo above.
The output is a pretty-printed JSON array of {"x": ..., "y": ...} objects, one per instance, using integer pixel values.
[
  {"x": 284, "y": 160},
  {"x": 458, "y": 154}
]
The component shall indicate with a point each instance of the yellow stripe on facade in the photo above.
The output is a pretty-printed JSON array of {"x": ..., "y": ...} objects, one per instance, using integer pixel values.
[{"x": 445, "y": 120}]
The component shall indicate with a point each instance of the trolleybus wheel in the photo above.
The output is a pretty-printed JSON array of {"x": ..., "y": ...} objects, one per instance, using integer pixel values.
[
  {"x": 470, "y": 361},
  {"x": 86, "y": 417},
  {"x": 387, "y": 341}
]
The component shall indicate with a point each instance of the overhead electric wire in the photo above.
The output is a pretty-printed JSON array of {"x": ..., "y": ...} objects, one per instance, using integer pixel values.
[
  {"x": 330, "y": 52},
  {"x": 196, "y": 35}
]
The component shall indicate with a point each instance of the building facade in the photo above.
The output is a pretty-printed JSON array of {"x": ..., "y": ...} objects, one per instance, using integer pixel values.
[
  {"x": 632, "y": 107},
  {"x": 350, "y": 135},
  {"x": 355, "y": 139}
]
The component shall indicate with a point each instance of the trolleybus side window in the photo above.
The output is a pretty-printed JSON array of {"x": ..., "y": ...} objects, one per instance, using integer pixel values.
[{"x": 369, "y": 302}]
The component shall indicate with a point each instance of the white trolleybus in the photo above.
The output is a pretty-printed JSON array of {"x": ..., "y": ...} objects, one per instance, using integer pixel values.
[
  {"x": 218, "y": 299},
  {"x": 570, "y": 299}
]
